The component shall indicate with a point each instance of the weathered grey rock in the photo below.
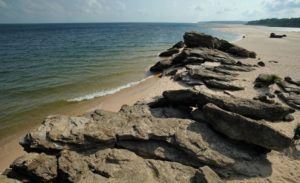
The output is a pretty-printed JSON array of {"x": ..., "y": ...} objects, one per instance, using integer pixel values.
[
  {"x": 102, "y": 130},
  {"x": 170, "y": 71},
  {"x": 265, "y": 99},
  {"x": 35, "y": 167},
  {"x": 207, "y": 175},
  {"x": 237, "y": 68},
  {"x": 291, "y": 100},
  {"x": 117, "y": 165},
  {"x": 191, "y": 81},
  {"x": 169, "y": 52},
  {"x": 241, "y": 128},
  {"x": 288, "y": 87},
  {"x": 161, "y": 65},
  {"x": 205, "y": 54},
  {"x": 246, "y": 107},
  {"x": 222, "y": 85},
  {"x": 196, "y": 39},
  {"x": 4, "y": 179},
  {"x": 160, "y": 150},
  {"x": 202, "y": 73},
  {"x": 292, "y": 81},
  {"x": 179, "y": 45},
  {"x": 223, "y": 71}
]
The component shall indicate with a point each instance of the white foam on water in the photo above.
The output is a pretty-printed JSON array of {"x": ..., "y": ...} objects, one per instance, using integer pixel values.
[{"x": 105, "y": 92}]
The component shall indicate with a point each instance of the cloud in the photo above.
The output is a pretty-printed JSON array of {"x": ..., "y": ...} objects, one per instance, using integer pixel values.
[
  {"x": 224, "y": 10},
  {"x": 198, "y": 8},
  {"x": 281, "y": 5},
  {"x": 2, "y": 4}
]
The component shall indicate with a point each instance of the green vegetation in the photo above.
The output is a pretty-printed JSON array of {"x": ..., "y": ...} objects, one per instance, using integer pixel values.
[
  {"x": 274, "y": 22},
  {"x": 297, "y": 133},
  {"x": 272, "y": 79}
]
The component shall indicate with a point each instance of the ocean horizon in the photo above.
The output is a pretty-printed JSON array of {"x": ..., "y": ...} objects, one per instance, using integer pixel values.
[{"x": 50, "y": 65}]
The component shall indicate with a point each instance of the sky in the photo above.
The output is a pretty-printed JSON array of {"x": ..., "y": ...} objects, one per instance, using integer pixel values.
[{"x": 59, "y": 11}]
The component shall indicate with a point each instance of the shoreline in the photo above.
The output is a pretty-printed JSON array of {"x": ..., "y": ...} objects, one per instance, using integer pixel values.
[
  {"x": 155, "y": 86},
  {"x": 150, "y": 87}
]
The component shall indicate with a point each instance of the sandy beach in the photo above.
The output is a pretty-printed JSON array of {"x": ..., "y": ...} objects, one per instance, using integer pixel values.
[{"x": 285, "y": 166}]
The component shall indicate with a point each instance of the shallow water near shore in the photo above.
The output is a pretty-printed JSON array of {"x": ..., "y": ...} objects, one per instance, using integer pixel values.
[{"x": 48, "y": 68}]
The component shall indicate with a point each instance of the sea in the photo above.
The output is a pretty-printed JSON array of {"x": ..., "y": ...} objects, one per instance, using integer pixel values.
[{"x": 44, "y": 67}]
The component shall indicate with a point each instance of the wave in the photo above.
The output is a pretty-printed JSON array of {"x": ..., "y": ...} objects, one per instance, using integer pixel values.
[{"x": 106, "y": 92}]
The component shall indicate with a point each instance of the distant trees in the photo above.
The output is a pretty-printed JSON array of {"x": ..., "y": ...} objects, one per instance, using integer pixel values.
[{"x": 274, "y": 22}]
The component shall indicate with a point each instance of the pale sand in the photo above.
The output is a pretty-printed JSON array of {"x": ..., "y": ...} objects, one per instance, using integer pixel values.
[{"x": 285, "y": 166}]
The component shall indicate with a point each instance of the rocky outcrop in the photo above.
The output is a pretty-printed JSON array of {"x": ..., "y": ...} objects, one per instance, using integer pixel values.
[
  {"x": 196, "y": 39},
  {"x": 246, "y": 107},
  {"x": 237, "y": 127}
]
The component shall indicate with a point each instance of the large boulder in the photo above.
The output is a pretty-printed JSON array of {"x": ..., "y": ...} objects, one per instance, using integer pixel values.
[
  {"x": 240, "y": 128},
  {"x": 4, "y": 179},
  {"x": 197, "y": 39}
]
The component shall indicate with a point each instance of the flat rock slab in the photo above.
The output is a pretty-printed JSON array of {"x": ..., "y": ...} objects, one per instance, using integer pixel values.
[
  {"x": 246, "y": 107},
  {"x": 244, "y": 129},
  {"x": 202, "y": 73},
  {"x": 222, "y": 85}
]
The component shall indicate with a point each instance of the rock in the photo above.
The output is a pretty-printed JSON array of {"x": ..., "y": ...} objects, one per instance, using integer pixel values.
[
  {"x": 159, "y": 150},
  {"x": 35, "y": 167},
  {"x": 223, "y": 71},
  {"x": 291, "y": 81},
  {"x": 207, "y": 175},
  {"x": 190, "y": 81},
  {"x": 273, "y": 61},
  {"x": 103, "y": 130},
  {"x": 291, "y": 100},
  {"x": 196, "y": 39},
  {"x": 273, "y": 35},
  {"x": 170, "y": 71},
  {"x": 179, "y": 45},
  {"x": 246, "y": 107},
  {"x": 193, "y": 60},
  {"x": 241, "y": 128},
  {"x": 288, "y": 87},
  {"x": 265, "y": 99},
  {"x": 169, "y": 52},
  {"x": 202, "y": 73},
  {"x": 117, "y": 165},
  {"x": 203, "y": 54},
  {"x": 262, "y": 64},
  {"x": 4, "y": 179},
  {"x": 161, "y": 65},
  {"x": 222, "y": 85},
  {"x": 236, "y": 68},
  {"x": 267, "y": 79}
]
